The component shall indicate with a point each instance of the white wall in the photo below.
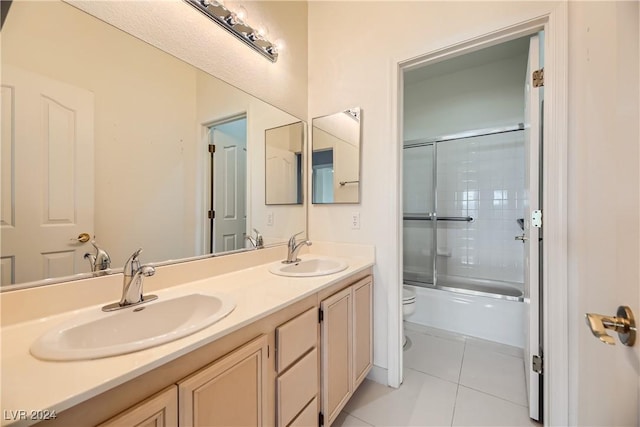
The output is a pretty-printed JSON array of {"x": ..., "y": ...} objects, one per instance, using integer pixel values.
[
  {"x": 360, "y": 73},
  {"x": 482, "y": 96},
  {"x": 184, "y": 32}
]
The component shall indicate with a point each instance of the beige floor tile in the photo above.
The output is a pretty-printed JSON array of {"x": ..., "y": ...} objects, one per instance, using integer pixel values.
[
  {"x": 346, "y": 420},
  {"x": 474, "y": 408},
  {"x": 496, "y": 347},
  {"x": 414, "y": 327},
  {"x": 422, "y": 400},
  {"x": 440, "y": 357},
  {"x": 494, "y": 373}
]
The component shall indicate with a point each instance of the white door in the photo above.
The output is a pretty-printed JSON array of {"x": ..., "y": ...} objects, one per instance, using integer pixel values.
[
  {"x": 282, "y": 176},
  {"x": 605, "y": 245},
  {"x": 531, "y": 235},
  {"x": 47, "y": 176},
  {"x": 230, "y": 171}
]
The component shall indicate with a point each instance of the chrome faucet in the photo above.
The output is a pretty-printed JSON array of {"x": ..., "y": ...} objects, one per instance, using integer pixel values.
[
  {"x": 293, "y": 248},
  {"x": 134, "y": 273},
  {"x": 100, "y": 261},
  {"x": 258, "y": 241}
]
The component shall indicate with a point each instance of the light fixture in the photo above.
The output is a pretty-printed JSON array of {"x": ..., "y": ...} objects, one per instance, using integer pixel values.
[
  {"x": 354, "y": 113},
  {"x": 234, "y": 23}
]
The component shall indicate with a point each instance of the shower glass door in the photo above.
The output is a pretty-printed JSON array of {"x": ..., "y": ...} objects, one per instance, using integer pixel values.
[{"x": 419, "y": 206}]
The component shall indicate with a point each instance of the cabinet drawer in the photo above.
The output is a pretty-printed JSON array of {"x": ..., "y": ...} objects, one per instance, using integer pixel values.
[
  {"x": 308, "y": 416},
  {"x": 297, "y": 387},
  {"x": 295, "y": 338}
]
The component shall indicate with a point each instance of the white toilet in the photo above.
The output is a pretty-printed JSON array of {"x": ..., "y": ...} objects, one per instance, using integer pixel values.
[{"x": 408, "y": 307}]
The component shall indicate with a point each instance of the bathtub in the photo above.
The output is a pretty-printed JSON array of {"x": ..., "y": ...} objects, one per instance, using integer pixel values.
[{"x": 469, "y": 312}]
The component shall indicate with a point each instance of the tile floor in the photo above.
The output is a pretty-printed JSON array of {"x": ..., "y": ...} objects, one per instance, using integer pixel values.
[{"x": 449, "y": 380}]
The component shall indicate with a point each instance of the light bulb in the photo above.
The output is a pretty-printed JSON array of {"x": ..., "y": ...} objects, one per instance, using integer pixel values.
[
  {"x": 241, "y": 14},
  {"x": 262, "y": 31}
]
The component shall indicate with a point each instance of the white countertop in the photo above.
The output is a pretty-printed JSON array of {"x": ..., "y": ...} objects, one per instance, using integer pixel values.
[{"x": 32, "y": 384}]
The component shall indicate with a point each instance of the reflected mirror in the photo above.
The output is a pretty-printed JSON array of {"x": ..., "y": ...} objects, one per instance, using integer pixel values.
[
  {"x": 335, "y": 158},
  {"x": 105, "y": 136},
  {"x": 283, "y": 164}
]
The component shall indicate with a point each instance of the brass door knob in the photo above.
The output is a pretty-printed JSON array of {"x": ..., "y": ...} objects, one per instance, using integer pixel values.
[
  {"x": 623, "y": 323},
  {"x": 83, "y": 237}
]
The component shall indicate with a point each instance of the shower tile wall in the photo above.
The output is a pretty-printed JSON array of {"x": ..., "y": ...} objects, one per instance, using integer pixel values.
[
  {"x": 482, "y": 178},
  {"x": 479, "y": 177}
]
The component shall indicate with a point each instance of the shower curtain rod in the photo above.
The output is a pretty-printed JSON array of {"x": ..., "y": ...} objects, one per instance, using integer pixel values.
[{"x": 421, "y": 142}]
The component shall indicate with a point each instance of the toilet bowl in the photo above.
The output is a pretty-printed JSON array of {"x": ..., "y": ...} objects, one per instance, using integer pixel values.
[{"x": 408, "y": 307}]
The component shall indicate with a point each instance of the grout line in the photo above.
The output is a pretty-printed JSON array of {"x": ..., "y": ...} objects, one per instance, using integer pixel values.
[
  {"x": 455, "y": 404},
  {"x": 497, "y": 397},
  {"x": 431, "y": 375},
  {"x": 360, "y": 419},
  {"x": 464, "y": 351}
]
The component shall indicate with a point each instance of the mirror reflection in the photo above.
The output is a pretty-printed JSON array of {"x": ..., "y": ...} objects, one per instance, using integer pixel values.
[
  {"x": 107, "y": 137},
  {"x": 336, "y": 157},
  {"x": 283, "y": 167}
]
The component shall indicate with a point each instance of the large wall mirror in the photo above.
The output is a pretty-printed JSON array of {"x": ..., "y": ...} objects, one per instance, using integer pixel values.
[
  {"x": 106, "y": 136},
  {"x": 335, "y": 157}
]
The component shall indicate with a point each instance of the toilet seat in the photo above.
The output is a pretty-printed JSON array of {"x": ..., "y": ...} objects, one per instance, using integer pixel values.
[{"x": 408, "y": 295}]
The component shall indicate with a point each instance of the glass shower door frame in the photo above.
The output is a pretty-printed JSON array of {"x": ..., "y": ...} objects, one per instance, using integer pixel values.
[{"x": 427, "y": 216}]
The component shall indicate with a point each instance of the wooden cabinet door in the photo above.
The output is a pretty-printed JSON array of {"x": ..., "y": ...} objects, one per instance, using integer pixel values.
[
  {"x": 337, "y": 353},
  {"x": 362, "y": 330},
  {"x": 160, "y": 410},
  {"x": 229, "y": 392}
]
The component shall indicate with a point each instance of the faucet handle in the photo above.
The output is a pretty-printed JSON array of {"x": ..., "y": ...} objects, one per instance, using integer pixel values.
[
  {"x": 259, "y": 239},
  {"x": 292, "y": 240},
  {"x": 132, "y": 264}
]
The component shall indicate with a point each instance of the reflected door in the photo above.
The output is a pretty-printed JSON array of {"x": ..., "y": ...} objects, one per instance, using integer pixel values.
[
  {"x": 47, "y": 151},
  {"x": 229, "y": 184},
  {"x": 419, "y": 207}
]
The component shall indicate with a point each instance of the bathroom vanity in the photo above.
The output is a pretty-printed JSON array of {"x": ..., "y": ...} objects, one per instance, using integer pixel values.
[{"x": 291, "y": 353}]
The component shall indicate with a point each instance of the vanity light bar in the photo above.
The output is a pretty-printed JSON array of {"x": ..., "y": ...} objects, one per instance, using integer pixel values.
[{"x": 228, "y": 20}]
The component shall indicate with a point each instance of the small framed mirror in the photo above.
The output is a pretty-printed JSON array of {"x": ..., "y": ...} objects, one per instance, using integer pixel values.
[
  {"x": 284, "y": 160},
  {"x": 335, "y": 158}
]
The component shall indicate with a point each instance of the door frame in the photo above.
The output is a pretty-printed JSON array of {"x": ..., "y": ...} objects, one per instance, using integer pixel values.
[
  {"x": 554, "y": 199},
  {"x": 202, "y": 244}
]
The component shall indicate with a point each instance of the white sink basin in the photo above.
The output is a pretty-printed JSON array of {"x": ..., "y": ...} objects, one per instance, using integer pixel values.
[
  {"x": 98, "y": 334},
  {"x": 309, "y": 267}
]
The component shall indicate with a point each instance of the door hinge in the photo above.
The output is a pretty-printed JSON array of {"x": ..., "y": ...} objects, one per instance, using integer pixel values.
[
  {"x": 212, "y": 148},
  {"x": 320, "y": 315},
  {"x": 538, "y": 78},
  {"x": 536, "y": 364},
  {"x": 320, "y": 419},
  {"x": 536, "y": 218},
  {"x": 211, "y": 214}
]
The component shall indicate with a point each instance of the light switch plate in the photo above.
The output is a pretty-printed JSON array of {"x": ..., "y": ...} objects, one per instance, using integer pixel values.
[{"x": 355, "y": 221}]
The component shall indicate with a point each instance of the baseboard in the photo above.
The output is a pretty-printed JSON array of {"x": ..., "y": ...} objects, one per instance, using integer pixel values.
[{"x": 379, "y": 375}]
